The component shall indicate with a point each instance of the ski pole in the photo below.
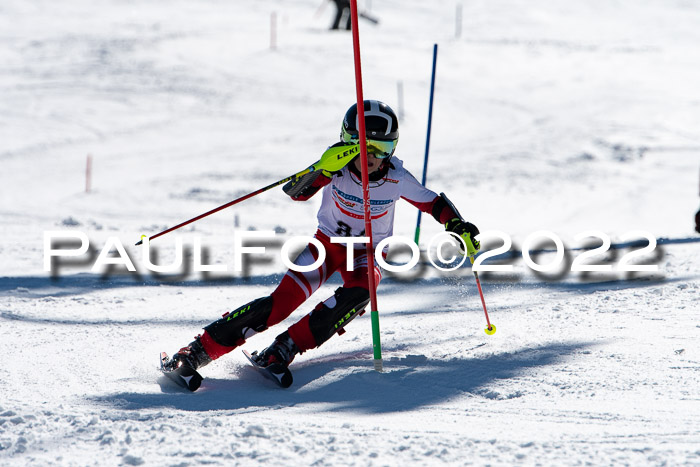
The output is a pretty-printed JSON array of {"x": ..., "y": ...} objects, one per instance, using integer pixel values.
[
  {"x": 333, "y": 159},
  {"x": 320, "y": 9},
  {"x": 490, "y": 328}
]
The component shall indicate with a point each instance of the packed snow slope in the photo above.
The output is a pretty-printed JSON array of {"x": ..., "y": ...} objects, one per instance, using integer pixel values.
[{"x": 567, "y": 117}]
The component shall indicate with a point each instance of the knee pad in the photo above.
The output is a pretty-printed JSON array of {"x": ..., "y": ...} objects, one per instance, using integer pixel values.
[
  {"x": 334, "y": 314},
  {"x": 234, "y": 327}
]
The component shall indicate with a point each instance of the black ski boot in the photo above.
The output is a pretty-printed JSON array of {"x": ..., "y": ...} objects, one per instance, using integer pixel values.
[
  {"x": 182, "y": 367},
  {"x": 281, "y": 352},
  {"x": 274, "y": 360},
  {"x": 193, "y": 356}
]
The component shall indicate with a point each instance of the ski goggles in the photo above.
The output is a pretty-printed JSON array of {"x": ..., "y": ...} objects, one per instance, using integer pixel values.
[{"x": 380, "y": 149}]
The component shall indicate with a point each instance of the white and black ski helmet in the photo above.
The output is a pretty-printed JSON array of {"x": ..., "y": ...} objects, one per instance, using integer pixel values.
[{"x": 381, "y": 128}]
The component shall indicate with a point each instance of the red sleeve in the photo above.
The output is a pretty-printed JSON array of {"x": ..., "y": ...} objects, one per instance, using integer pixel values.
[
  {"x": 425, "y": 207},
  {"x": 438, "y": 208},
  {"x": 319, "y": 183}
]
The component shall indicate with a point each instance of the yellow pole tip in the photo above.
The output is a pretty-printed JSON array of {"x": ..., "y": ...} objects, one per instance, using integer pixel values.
[{"x": 490, "y": 330}]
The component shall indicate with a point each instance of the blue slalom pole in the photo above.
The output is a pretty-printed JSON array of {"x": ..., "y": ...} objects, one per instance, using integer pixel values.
[{"x": 427, "y": 139}]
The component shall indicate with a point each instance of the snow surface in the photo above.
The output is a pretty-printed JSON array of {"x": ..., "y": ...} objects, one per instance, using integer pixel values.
[{"x": 562, "y": 116}]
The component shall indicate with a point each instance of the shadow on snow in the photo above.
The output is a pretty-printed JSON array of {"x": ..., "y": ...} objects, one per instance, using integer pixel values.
[{"x": 348, "y": 382}]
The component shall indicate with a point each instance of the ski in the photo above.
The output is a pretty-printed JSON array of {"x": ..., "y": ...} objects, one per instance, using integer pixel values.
[
  {"x": 183, "y": 376},
  {"x": 368, "y": 17},
  {"x": 280, "y": 374}
]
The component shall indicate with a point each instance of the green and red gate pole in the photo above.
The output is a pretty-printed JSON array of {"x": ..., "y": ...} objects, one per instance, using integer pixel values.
[{"x": 374, "y": 311}]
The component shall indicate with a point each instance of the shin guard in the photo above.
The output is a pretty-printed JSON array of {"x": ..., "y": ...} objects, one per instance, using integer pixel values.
[
  {"x": 334, "y": 314},
  {"x": 235, "y": 327}
]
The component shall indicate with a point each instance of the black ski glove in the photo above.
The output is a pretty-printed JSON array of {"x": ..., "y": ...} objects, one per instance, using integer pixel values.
[
  {"x": 467, "y": 231},
  {"x": 306, "y": 185}
]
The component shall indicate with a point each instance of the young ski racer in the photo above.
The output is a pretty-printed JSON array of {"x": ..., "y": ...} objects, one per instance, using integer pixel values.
[{"x": 341, "y": 215}]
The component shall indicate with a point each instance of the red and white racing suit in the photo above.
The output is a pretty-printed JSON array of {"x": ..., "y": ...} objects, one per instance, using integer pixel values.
[{"x": 342, "y": 215}]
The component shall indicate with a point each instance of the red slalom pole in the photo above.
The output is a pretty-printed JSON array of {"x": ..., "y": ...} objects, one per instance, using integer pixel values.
[
  {"x": 333, "y": 158},
  {"x": 88, "y": 174},
  {"x": 490, "y": 328},
  {"x": 230, "y": 203},
  {"x": 374, "y": 312}
]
